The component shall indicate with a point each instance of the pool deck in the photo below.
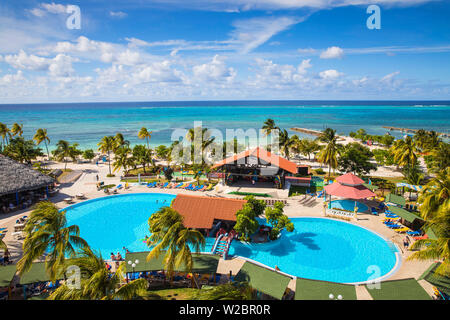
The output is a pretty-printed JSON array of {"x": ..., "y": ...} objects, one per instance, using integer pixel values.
[{"x": 299, "y": 206}]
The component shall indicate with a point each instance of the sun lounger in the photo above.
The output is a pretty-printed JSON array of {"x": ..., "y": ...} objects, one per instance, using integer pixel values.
[
  {"x": 373, "y": 211},
  {"x": 425, "y": 236},
  {"x": 165, "y": 185},
  {"x": 414, "y": 233},
  {"x": 209, "y": 187},
  {"x": 401, "y": 230},
  {"x": 119, "y": 186},
  {"x": 189, "y": 187}
]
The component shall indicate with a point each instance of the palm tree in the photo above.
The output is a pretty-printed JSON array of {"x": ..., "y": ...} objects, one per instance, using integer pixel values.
[
  {"x": 440, "y": 157},
  {"x": 47, "y": 232},
  {"x": 307, "y": 147},
  {"x": 435, "y": 194},
  {"x": 170, "y": 235},
  {"x": 286, "y": 142},
  {"x": 17, "y": 129},
  {"x": 119, "y": 141},
  {"x": 41, "y": 135},
  {"x": 269, "y": 126},
  {"x": 436, "y": 248},
  {"x": 206, "y": 140},
  {"x": 5, "y": 134},
  {"x": 106, "y": 145},
  {"x": 329, "y": 153},
  {"x": 62, "y": 152},
  {"x": 122, "y": 159},
  {"x": 145, "y": 134},
  {"x": 97, "y": 282},
  {"x": 405, "y": 152},
  {"x": 142, "y": 155}
]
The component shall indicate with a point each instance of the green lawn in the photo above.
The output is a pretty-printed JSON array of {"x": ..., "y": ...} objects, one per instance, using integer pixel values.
[{"x": 406, "y": 289}]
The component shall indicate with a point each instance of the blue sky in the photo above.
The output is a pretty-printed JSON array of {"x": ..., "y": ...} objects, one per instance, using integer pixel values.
[{"x": 152, "y": 50}]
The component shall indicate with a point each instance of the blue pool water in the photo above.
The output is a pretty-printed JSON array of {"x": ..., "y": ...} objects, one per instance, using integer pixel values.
[
  {"x": 348, "y": 205},
  {"x": 319, "y": 248}
]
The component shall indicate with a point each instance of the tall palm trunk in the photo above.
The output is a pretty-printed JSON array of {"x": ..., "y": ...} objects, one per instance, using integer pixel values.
[
  {"x": 109, "y": 162},
  {"x": 48, "y": 154}
]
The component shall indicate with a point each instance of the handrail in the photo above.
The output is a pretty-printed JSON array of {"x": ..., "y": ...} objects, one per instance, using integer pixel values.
[{"x": 213, "y": 250}]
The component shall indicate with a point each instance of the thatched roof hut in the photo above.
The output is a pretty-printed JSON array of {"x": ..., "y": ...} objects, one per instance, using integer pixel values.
[{"x": 17, "y": 177}]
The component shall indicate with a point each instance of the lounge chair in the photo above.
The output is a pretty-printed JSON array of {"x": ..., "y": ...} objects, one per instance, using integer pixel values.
[
  {"x": 413, "y": 233},
  {"x": 165, "y": 185},
  {"x": 401, "y": 230},
  {"x": 189, "y": 187},
  {"x": 373, "y": 211},
  {"x": 209, "y": 187},
  {"x": 425, "y": 236}
]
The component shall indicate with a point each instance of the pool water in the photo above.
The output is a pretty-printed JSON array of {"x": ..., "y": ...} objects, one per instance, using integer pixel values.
[
  {"x": 319, "y": 248},
  {"x": 324, "y": 249},
  {"x": 349, "y": 205},
  {"x": 110, "y": 223}
]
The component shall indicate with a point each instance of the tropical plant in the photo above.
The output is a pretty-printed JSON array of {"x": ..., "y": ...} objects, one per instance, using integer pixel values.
[
  {"x": 119, "y": 141},
  {"x": 440, "y": 157},
  {"x": 106, "y": 145},
  {"x": 5, "y": 134},
  {"x": 64, "y": 150},
  {"x": 41, "y": 135},
  {"x": 356, "y": 158},
  {"x": 47, "y": 232},
  {"x": 329, "y": 153},
  {"x": 145, "y": 134},
  {"x": 193, "y": 135},
  {"x": 17, "y": 129},
  {"x": 162, "y": 152},
  {"x": 307, "y": 147},
  {"x": 171, "y": 237},
  {"x": 405, "y": 152},
  {"x": 142, "y": 155},
  {"x": 88, "y": 154},
  {"x": 438, "y": 248},
  {"x": 97, "y": 283},
  {"x": 278, "y": 220},
  {"x": 22, "y": 150},
  {"x": 246, "y": 223},
  {"x": 122, "y": 159},
  {"x": 435, "y": 195},
  {"x": 269, "y": 126},
  {"x": 286, "y": 142},
  {"x": 227, "y": 291}
]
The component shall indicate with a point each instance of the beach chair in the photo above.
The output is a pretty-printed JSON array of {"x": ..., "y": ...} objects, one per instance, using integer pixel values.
[
  {"x": 165, "y": 185},
  {"x": 119, "y": 186},
  {"x": 413, "y": 233},
  {"x": 373, "y": 211},
  {"x": 209, "y": 187},
  {"x": 402, "y": 230},
  {"x": 198, "y": 188},
  {"x": 189, "y": 187},
  {"x": 176, "y": 186},
  {"x": 425, "y": 236}
]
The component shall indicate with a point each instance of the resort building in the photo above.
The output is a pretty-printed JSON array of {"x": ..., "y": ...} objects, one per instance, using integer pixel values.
[
  {"x": 207, "y": 214},
  {"x": 259, "y": 165},
  {"x": 21, "y": 186}
]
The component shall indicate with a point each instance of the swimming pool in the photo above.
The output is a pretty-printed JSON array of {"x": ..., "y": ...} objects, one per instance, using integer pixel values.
[
  {"x": 348, "y": 205},
  {"x": 319, "y": 248}
]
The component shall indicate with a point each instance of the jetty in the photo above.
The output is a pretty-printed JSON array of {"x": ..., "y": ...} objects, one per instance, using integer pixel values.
[
  {"x": 307, "y": 131},
  {"x": 406, "y": 130}
]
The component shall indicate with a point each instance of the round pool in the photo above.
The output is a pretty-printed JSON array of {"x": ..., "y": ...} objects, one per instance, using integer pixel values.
[
  {"x": 348, "y": 205},
  {"x": 319, "y": 248},
  {"x": 110, "y": 223}
]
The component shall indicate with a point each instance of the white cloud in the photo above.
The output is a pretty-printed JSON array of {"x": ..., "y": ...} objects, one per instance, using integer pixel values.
[
  {"x": 252, "y": 33},
  {"x": 330, "y": 74},
  {"x": 60, "y": 66},
  {"x": 332, "y": 53},
  {"x": 54, "y": 7},
  {"x": 216, "y": 70},
  {"x": 390, "y": 77}
]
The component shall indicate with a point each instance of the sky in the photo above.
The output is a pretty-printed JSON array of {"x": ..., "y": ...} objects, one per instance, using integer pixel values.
[{"x": 167, "y": 50}]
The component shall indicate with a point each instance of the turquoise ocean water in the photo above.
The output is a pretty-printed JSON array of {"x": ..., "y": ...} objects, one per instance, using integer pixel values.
[{"x": 87, "y": 123}]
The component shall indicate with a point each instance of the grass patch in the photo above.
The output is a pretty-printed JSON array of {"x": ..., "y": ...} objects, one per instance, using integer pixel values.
[
  {"x": 299, "y": 190},
  {"x": 265, "y": 195}
]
